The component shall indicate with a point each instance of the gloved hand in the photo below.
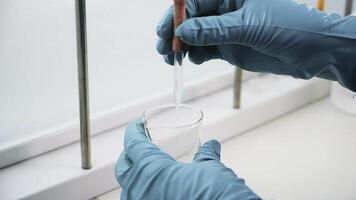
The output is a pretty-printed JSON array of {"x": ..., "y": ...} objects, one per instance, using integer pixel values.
[
  {"x": 276, "y": 36},
  {"x": 145, "y": 172}
]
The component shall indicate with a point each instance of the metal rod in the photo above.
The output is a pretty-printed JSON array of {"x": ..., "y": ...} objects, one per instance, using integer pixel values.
[
  {"x": 348, "y": 7},
  {"x": 237, "y": 88},
  {"x": 82, "y": 59}
]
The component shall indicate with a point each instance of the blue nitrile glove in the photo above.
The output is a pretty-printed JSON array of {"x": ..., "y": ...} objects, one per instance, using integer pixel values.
[
  {"x": 145, "y": 172},
  {"x": 276, "y": 36}
]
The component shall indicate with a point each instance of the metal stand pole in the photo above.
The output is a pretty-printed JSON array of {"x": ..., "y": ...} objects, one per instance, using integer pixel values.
[
  {"x": 348, "y": 7},
  {"x": 237, "y": 87},
  {"x": 82, "y": 59}
]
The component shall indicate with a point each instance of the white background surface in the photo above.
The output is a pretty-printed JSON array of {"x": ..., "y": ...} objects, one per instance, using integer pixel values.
[{"x": 306, "y": 155}]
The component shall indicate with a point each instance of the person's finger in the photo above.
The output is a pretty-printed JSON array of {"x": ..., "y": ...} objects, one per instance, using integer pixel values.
[
  {"x": 212, "y": 30},
  {"x": 137, "y": 145},
  {"x": 199, "y": 55},
  {"x": 123, "y": 164},
  {"x": 164, "y": 28},
  {"x": 209, "y": 151},
  {"x": 169, "y": 59},
  {"x": 123, "y": 195},
  {"x": 197, "y": 8},
  {"x": 164, "y": 47},
  {"x": 194, "y": 8}
]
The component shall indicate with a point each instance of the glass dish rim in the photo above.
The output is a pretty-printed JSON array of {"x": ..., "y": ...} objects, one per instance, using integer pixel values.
[{"x": 192, "y": 125}]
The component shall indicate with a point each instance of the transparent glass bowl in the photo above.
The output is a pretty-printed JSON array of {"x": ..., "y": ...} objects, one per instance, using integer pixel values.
[{"x": 175, "y": 129}]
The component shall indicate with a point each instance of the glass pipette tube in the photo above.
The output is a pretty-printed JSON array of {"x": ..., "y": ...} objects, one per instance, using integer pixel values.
[{"x": 178, "y": 77}]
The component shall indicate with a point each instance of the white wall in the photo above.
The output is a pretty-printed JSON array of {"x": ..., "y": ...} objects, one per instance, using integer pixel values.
[{"x": 38, "y": 74}]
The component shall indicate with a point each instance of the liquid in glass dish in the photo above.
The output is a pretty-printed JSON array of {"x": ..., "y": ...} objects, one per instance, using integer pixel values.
[{"x": 175, "y": 129}]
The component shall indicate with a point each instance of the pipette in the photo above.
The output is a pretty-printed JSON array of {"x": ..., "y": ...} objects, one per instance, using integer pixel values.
[{"x": 178, "y": 45}]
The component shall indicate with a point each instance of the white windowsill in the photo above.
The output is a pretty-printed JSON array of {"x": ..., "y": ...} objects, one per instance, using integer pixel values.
[
  {"x": 57, "y": 137},
  {"x": 58, "y": 174}
]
